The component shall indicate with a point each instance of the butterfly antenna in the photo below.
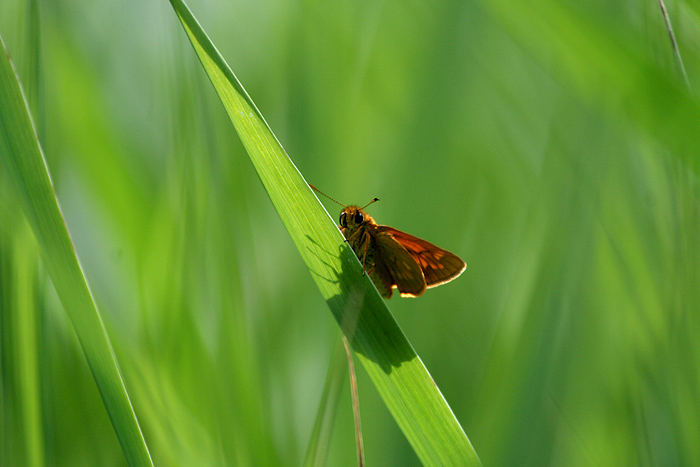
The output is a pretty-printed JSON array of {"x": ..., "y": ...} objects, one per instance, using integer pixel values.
[
  {"x": 374, "y": 200},
  {"x": 332, "y": 199}
]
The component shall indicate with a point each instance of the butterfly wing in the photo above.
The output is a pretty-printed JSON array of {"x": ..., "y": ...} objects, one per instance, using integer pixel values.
[
  {"x": 438, "y": 266},
  {"x": 396, "y": 267}
]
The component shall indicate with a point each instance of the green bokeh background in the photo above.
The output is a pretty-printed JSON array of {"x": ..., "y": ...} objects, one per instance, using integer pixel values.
[{"x": 553, "y": 145}]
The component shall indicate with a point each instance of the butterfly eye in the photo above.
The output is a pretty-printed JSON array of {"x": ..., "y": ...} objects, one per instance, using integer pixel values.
[
  {"x": 343, "y": 223},
  {"x": 359, "y": 218}
]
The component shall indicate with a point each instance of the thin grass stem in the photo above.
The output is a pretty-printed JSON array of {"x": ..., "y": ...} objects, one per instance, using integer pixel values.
[
  {"x": 674, "y": 44},
  {"x": 355, "y": 405},
  {"x": 317, "y": 451}
]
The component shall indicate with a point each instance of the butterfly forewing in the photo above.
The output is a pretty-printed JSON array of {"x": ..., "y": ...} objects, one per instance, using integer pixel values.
[
  {"x": 438, "y": 265},
  {"x": 405, "y": 272}
]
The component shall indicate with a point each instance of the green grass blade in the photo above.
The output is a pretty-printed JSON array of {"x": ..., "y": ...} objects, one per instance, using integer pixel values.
[
  {"x": 26, "y": 316},
  {"x": 398, "y": 374},
  {"x": 22, "y": 159}
]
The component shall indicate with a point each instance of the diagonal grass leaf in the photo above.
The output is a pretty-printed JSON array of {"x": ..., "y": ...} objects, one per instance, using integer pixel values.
[{"x": 398, "y": 374}]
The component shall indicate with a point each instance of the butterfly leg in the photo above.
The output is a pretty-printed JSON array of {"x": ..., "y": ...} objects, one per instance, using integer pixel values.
[{"x": 352, "y": 236}]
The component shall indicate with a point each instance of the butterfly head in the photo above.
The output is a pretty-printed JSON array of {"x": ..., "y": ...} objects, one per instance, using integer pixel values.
[{"x": 353, "y": 217}]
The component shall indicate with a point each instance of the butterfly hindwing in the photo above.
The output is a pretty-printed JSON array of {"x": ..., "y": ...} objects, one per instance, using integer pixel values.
[{"x": 438, "y": 265}]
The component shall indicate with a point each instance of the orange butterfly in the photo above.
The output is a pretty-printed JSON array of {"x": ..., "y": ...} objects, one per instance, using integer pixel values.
[{"x": 395, "y": 259}]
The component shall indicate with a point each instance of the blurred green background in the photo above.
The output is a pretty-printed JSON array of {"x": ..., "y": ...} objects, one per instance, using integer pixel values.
[{"x": 553, "y": 145}]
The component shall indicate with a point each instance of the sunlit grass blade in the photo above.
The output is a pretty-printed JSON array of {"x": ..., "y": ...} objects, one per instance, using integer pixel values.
[
  {"x": 22, "y": 160},
  {"x": 398, "y": 374}
]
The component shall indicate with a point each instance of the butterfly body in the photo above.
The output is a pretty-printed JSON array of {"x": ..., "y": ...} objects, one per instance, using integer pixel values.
[{"x": 394, "y": 259}]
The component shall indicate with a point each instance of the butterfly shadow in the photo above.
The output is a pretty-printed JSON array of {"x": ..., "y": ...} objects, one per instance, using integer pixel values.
[{"x": 355, "y": 310}]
